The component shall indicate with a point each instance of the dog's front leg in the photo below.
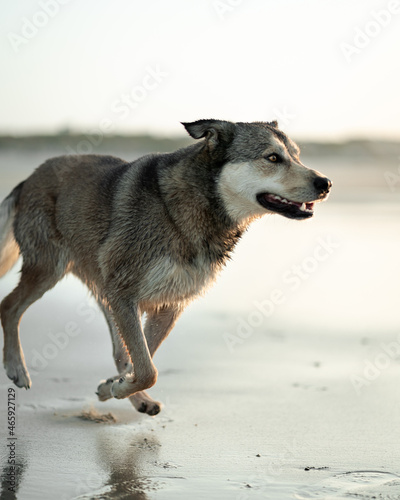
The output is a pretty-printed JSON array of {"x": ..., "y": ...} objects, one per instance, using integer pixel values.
[
  {"x": 144, "y": 375},
  {"x": 159, "y": 323}
]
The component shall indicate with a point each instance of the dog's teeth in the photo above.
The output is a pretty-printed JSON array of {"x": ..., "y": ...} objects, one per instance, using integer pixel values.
[
  {"x": 279, "y": 198},
  {"x": 303, "y": 206}
]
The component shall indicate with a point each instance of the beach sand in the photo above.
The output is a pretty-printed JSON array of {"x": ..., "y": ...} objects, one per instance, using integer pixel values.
[{"x": 281, "y": 383}]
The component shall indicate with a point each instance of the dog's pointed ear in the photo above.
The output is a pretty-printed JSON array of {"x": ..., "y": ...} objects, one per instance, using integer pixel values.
[
  {"x": 274, "y": 124},
  {"x": 214, "y": 131}
]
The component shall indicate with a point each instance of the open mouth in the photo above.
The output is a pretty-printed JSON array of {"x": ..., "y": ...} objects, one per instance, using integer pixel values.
[{"x": 285, "y": 207}]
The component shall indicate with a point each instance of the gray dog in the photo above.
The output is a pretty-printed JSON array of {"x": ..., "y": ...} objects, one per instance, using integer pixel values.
[{"x": 147, "y": 236}]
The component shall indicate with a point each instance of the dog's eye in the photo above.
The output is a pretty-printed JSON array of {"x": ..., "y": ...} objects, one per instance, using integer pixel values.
[{"x": 274, "y": 158}]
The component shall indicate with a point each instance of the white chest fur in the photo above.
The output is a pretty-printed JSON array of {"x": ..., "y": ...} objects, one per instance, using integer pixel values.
[{"x": 170, "y": 282}]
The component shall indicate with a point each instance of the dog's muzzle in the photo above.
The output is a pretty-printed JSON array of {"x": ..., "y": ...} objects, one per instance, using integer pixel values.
[{"x": 296, "y": 209}]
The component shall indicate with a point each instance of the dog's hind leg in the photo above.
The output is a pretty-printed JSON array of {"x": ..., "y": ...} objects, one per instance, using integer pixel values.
[
  {"x": 158, "y": 325},
  {"x": 34, "y": 282}
]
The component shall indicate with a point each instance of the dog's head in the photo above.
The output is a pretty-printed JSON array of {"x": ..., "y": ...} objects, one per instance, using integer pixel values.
[{"x": 261, "y": 170}]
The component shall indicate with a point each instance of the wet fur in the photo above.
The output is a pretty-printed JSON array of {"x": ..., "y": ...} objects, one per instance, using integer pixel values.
[{"x": 147, "y": 236}]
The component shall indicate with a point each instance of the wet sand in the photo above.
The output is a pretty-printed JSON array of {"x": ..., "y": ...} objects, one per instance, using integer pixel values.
[{"x": 281, "y": 383}]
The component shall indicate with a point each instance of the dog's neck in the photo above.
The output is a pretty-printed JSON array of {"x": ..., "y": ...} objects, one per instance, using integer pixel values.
[{"x": 198, "y": 217}]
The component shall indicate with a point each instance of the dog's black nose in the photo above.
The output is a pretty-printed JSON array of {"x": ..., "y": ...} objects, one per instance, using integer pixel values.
[{"x": 322, "y": 184}]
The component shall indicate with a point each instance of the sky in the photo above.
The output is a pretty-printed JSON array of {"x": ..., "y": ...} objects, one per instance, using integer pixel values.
[{"x": 325, "y": 69}]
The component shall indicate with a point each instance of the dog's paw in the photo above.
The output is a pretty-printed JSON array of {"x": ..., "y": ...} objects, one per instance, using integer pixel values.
[
  {"x": 123, "y": 387},
  {"x": 104, "y": 389},
  {"x": 150, "y": 408},
  {"x": 129, "y": 384},
  {"x": 145, "y": 404},
  {"x": 18, "y": 373}
]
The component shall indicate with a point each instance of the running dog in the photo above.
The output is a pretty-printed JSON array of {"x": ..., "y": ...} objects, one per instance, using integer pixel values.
[{"x": 146, "y": 236}]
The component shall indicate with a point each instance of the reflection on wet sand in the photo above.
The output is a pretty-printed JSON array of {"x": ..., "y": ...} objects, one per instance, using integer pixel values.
[{"x": 125, "y": 459}]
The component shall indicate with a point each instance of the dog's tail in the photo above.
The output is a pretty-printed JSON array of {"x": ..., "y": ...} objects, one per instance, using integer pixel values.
[{"x": 9, "y": 250}]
